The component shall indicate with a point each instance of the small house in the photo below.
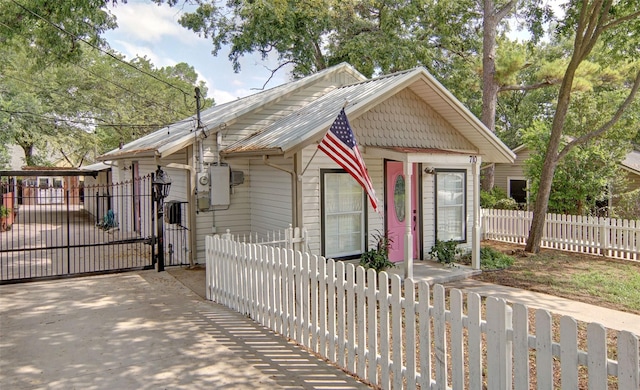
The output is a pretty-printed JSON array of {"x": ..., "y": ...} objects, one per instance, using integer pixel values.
[{"x": 252, "y": 165}]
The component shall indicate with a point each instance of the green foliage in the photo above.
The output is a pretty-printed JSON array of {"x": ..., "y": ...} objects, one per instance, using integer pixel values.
[
  {"x": 36, "y": 26},
  {"x": 582, "y": 178},
  {"x": 488, "y": 199},
  {"x": 506, "y": 204},
  {"x": 4, "y": 211},
  {"x": 628, "y": 205},
  {"x": 378, "y": 258},
  {"x": 444, "y": 251},
  {"x": 84, "y": 109},
  {"x": 492, "y": 259}
]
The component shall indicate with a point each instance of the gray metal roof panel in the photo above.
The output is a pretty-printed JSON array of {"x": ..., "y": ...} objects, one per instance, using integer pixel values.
[
  {"x": 182, "y": 133},
  {"x": 306, "y": 125}
]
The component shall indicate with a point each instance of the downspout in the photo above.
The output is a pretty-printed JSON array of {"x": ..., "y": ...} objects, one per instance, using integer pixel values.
[{"x": 294, "y": 186}]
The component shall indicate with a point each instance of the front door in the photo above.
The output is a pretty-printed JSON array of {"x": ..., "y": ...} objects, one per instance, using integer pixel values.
[{"x": 395, "y": 209}]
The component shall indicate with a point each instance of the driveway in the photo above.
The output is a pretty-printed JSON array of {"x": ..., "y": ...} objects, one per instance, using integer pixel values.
[{"x": 143, "y": 330}]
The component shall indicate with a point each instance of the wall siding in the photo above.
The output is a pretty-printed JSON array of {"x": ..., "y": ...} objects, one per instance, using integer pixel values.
[
  {"x": 271, "y": 199},
  {"x": 504, "y": 171},
  {"x": 311, "y": 195},
  {"x": 407, "y": 121}
]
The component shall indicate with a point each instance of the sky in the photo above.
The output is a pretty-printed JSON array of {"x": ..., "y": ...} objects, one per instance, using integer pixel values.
[{"x": 147, "y": 29}]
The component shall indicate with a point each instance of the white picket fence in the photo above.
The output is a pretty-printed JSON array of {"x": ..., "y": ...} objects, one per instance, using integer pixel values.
[
  {"x": 616, "y": 238},
  {"x": 287, "y": 238},
  {"x": 397, "y": 334}
]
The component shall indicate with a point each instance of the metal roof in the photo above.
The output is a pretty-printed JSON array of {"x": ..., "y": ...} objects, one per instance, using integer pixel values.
[
  {"x": 174, "y": 137},
  {"x": 632, "y": 162},
  {"x": 309, "y": 124}
]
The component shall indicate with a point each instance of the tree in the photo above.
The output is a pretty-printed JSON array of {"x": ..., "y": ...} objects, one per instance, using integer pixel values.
[
  {"x": 53, "y": 31},
  {"x": 82, "y": 109},
  {"x": 589, "y": 20}
]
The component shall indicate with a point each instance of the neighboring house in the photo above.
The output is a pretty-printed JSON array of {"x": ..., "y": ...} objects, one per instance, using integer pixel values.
[
  {"x": 253, "y": 166},
  {"x": 511, "y": 177},
  {"x": 631, "y": 167},
  {"x": 43, "y": 184}
]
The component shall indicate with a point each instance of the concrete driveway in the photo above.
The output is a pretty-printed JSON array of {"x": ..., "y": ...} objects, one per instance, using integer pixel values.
[{"x": 143, "y": 330}]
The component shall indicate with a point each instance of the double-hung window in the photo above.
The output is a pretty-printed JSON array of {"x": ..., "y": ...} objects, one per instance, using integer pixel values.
[
  {"x": 451, "y": 205},
  {"x": 343, "y": 215}
]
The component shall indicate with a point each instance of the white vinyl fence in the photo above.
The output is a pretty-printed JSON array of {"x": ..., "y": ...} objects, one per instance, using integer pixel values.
[
  {"x": 616, "y": 238},
  {"x": 286, "y": 238},
  {"x": 397, "y": 334}
]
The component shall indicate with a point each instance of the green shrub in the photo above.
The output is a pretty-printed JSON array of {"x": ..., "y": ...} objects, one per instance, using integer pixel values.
[
  {"x": 378, "y": 258},
  {"x": 488, "y": 199},
  {"x": 4, "y": 211},
  {"x": 492, "y": 259},
  {"x": 444, "y": 251},
  {"x": 506, "y": 204}
]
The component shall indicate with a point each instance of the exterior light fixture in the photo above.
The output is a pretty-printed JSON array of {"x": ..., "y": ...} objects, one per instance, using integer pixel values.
[{"x": 161, "y": 187}]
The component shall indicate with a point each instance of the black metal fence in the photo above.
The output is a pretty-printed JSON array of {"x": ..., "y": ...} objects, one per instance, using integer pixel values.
[
  {"x": 54, "y": 232},
  {"x": 177, "y": 235}
]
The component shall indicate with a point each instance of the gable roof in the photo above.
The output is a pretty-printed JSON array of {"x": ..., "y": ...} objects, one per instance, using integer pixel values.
[
  {"x": 176, "y": 136},
  {"x": 632, "y": 162},
  {"x": 309, "y": 124}
]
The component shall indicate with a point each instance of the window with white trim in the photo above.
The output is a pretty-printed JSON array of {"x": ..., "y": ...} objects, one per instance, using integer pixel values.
[
  {"x": 343, "y": 215},
  {"x": 451, "y": 205}
]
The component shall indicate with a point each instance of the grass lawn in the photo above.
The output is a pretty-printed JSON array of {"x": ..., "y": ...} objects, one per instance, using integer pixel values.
[{"x": 597, "y": 280}]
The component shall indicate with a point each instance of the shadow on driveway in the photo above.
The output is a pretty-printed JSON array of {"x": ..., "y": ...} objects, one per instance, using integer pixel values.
[{"x": 143, "y": 330}]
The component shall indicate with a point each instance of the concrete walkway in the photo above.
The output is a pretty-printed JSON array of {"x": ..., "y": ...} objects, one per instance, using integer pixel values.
[
  {"x": 143, "y": 330},
  {"x": 612, "y": 319}
]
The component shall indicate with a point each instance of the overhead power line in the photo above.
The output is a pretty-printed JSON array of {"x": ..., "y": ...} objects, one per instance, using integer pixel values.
[
  {"x": 103, "y": 51},
  {"x": 87, "y": 120}
]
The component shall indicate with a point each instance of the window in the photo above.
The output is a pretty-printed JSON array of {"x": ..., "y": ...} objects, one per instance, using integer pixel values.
[
  {"x": 518, "y": 190},
  {"x": 343, "y": 215},
  {"x": 451, "y": 205}
]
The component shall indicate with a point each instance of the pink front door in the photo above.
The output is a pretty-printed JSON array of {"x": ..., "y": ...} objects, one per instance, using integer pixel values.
[{"x": 395, "y": 210}]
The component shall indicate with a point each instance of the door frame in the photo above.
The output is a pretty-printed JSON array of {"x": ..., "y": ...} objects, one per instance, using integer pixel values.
[{"x": 417, "y": 194}]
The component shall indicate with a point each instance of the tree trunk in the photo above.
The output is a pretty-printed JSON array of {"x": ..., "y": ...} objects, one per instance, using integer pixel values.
[
  {"x": 490, "y": 87},
  {"x": 551, "y": 160}
]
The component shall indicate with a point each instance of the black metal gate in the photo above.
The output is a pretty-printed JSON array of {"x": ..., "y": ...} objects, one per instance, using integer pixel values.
[{"x": 60, "y": 230}]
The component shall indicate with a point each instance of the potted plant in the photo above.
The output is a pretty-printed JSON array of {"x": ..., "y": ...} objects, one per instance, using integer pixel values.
[
  {"x": 378, "y": 258},
  {"x": 444, "y": 251},
  {"x": 5, "y": 212}
]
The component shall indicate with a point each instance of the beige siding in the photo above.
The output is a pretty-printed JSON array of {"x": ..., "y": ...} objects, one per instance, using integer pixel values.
[
  {"x": 407, "y": 121},
  {"x": 271, "y": 198},
  {"x": 429, "y": 202},
  {"x": 311, "y": 195},
  {"x": 503, "y": 172}
]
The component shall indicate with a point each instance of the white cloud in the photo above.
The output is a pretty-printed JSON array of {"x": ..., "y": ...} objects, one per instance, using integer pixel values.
[
  {"x": 221, "y": 96},
  {"x": 131, "y": 50},
  {"x": 149, "y": 22}
]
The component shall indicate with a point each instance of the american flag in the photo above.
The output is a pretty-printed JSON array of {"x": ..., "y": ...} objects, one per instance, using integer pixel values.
[{"x": 340, "y": 145}]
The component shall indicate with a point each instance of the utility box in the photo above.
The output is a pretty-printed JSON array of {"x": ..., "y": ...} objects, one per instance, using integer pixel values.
[
  {"x": 173, "y": 212},
  {"x": 220, "y": 185}
]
